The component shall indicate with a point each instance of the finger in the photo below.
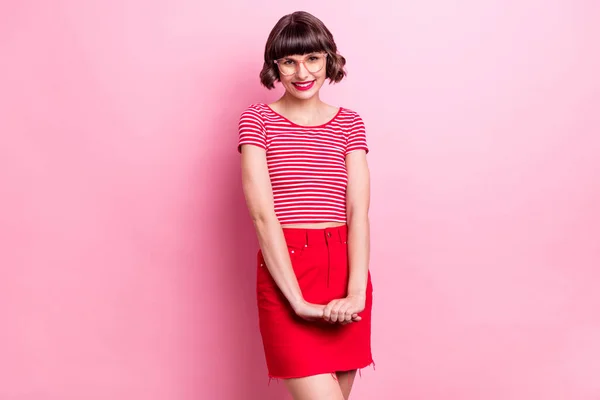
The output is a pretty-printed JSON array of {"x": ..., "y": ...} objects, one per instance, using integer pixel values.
[
  {"x": 327, "y": 310},
  {"x": 356, "y": 318},
  {"x": 348, "y": 317},
  {"x": 318, "y": 311},
  {"x": 345, "y": 313},
  {"x": 335, "y": 311}
]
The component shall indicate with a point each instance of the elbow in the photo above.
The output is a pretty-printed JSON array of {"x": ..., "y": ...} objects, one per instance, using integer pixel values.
[
  {"x": 357, "y": 217},
  {"x": 261, "y": 218}
]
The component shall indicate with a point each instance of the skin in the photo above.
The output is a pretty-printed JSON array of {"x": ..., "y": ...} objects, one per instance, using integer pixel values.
[{"x": 306, "y": 108}]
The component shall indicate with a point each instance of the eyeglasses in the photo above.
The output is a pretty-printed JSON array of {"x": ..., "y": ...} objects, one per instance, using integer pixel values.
[{"x": 313, "y": 63}]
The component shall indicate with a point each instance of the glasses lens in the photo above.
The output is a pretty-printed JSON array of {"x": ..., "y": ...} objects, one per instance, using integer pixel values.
[
  {"x": 287, "y": 67},
  {"x": 313, "y": 63}
]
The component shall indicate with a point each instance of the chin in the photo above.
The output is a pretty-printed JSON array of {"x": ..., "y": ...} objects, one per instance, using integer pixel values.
[{"x": 304, "y": 96}]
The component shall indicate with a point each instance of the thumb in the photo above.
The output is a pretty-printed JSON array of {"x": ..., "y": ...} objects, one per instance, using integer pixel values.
[{"x": 318, "y": 311}]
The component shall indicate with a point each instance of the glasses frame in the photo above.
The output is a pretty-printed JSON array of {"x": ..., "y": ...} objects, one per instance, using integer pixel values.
[{"x": 300, "y": 62}]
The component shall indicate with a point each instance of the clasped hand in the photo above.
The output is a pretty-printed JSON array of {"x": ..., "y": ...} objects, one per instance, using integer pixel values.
[{"x": 343, "y": 311}]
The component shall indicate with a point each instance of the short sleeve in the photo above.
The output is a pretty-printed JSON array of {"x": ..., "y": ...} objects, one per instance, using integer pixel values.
[
  {"x": 251, "y": 129},
  {"x": 357, "y": 138}
]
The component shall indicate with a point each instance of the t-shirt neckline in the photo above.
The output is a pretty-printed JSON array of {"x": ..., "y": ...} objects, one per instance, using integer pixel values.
[{"x": 305, "y": 126}]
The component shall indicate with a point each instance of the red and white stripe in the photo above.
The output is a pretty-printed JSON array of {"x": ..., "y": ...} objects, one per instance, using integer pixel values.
[{"x": 307, "y": 164}]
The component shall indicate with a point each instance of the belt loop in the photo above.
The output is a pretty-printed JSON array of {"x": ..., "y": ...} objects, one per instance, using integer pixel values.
[
  {"x": 306, "y": 238},
  {"x": 340, "y": 236}
]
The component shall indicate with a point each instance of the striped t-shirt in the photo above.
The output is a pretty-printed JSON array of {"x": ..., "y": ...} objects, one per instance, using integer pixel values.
[{"x": 306, "y": 163}]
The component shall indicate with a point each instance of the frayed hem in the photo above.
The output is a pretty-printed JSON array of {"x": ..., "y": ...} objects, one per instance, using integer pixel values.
[
  {"x": 333, "y": 374},
  {"x": 371, "y": 364}
]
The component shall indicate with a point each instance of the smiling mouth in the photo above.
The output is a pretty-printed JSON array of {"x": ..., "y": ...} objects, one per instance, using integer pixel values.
[{"x": 303, "y": 85}]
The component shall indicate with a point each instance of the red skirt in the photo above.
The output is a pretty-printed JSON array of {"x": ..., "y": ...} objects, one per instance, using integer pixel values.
[{"x": 293, "y": 346}]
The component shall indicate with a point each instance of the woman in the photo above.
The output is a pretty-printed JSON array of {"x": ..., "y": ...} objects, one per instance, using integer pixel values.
[{"x": 306, "y": 183}]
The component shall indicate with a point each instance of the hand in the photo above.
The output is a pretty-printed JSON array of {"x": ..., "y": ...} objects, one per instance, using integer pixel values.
[
  {"x": 309, "y": 311},
  {"x": 344, "y": 310}
]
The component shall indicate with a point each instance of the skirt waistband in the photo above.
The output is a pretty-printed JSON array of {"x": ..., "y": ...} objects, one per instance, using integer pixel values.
[{"x": 309, "y": 237}]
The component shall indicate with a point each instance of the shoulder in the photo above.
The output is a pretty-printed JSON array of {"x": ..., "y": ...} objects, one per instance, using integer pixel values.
[
  {"x": 350, "y": 115},
  {"x": 255, "y": 111},
  {"x": 352, "y": 119},
  {"x": 349, "y": 112}
]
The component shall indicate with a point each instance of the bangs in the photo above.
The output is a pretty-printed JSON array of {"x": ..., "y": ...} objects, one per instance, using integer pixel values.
[
  {"x": 300, "y": 33},
  {"x": 297, "y": 39}
]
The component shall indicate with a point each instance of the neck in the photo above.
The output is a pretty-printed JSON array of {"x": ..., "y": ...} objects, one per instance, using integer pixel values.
[{"x": 290, "y": 102}]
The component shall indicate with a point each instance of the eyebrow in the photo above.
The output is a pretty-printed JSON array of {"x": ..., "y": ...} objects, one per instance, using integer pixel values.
[{"x": 304, "y": 56}]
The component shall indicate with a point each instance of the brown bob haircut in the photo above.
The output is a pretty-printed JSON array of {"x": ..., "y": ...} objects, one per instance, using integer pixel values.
[{"x": 300, "y": 33}]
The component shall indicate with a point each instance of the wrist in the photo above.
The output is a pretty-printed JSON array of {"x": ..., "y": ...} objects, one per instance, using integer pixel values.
[
  {"x": 357, "y": 293},
  {"x": 358, "y": 287},
  {"x": 297, "y": 303}
]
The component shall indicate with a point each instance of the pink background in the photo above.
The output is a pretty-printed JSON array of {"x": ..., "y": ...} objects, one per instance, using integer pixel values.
[{"x": 127, "y": 256}]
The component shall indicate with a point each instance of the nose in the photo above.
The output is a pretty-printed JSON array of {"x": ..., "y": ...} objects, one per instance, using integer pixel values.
[{"x": 301, "y": 71}]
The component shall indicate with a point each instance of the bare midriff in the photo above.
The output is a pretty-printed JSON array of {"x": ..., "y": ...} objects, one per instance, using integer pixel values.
[{"x": 318, "y": 225}]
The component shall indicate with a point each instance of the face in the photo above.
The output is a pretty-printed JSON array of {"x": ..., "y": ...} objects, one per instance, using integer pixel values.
[{"x": 303, "y": 75}]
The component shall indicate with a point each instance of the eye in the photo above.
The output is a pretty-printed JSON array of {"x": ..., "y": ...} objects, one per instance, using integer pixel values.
[
  {"x": 313, "y": 58},
  {"x": 288, "y": 62}
]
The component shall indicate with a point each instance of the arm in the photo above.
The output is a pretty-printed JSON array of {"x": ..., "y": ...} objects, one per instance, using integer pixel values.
[
  {"x": 357, "y": 208},
  {"x": 259, "y": 199},
  {"x": 357, "y": 211},
  {"x": 357, "y": 218}
]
